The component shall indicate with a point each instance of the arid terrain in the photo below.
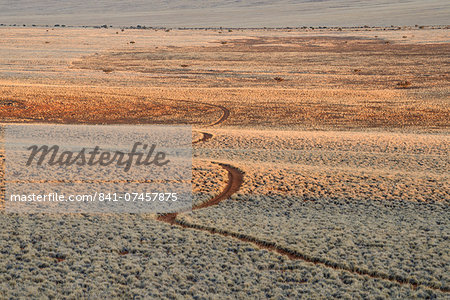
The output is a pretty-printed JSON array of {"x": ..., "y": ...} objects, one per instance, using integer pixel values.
[{"x": 320, "y": 170}]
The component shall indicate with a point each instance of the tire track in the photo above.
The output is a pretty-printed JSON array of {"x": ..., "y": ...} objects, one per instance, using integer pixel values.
[
  {"x": 296, "y": 255},
  {"x": 235, "y": 180},
  {"x": 205, "y": 135},
  {"x": 235, "y": 177},
  {"x": 223, "y": 117}
]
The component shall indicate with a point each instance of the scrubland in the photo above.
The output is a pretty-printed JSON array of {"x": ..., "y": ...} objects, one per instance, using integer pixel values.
[
  {"x": 345, "y": 187},
  {"x": 135, "y": 256}
]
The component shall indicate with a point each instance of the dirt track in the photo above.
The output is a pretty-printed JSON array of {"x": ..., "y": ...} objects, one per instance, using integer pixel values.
[
  {"x": 295, "y": 255},
  {"x": 235, "y": 179},
  {"x": 225, "y": 111}
]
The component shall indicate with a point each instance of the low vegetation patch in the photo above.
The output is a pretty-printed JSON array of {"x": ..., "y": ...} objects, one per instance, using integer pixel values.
[{"x": 404, "y": 84}]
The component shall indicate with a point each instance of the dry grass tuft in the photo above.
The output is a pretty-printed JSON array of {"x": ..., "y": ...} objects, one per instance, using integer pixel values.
[
  {"x": 10, "y": 103},
  {"x": 404, "y": 84}
]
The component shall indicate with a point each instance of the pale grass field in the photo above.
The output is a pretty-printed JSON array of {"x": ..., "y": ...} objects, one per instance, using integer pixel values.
[{"x": 341, "y": 164}]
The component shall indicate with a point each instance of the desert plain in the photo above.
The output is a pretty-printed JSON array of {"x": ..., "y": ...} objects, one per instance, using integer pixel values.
[{"x": 320, "y": 161}]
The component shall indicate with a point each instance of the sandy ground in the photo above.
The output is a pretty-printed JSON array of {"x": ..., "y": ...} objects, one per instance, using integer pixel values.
[{"x": 341, "y": 138}]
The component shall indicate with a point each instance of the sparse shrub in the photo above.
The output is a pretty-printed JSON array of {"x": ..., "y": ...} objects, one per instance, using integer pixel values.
[
  {"x": 279, "y": 79},
  {"x": 132, "y": 42},
  {"x": 223, "y": 42},
  {"x": 108, "y": 70},
  {"x": 123, "y": 251},
  {"x": 403, "y": 84},
  {"x": 184, "y": 66},
  {"x": 11, "y": 102}
]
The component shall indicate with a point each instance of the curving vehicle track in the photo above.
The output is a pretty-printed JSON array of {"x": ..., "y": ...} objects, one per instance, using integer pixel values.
[
  {"x": 223, "y": 117},
  {"x": 235, "y": 180}
]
